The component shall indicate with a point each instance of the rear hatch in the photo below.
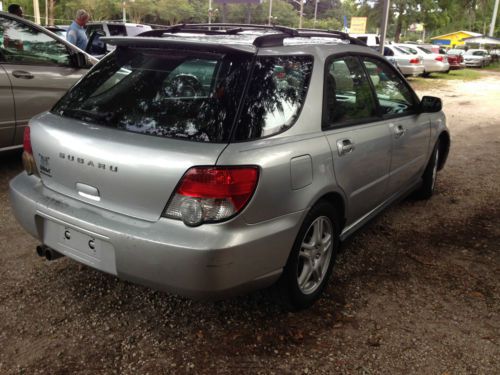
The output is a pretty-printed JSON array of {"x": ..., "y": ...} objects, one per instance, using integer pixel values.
[{"x": 124, "y": 136}]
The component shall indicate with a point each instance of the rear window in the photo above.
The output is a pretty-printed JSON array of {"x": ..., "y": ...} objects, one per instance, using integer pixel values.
[
  {"x": 167, "y": 93},
  {"x": 404, "y": 52},
  {"x": 425, "y": 50}
]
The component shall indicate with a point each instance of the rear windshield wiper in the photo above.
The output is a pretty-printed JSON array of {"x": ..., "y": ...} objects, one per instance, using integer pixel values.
[{"x": 86, "y": 115}]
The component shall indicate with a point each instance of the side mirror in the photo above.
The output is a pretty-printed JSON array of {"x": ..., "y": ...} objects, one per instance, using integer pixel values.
[
  {"x": 95, "y": 46},
  {"x": 430, "y": 104}
]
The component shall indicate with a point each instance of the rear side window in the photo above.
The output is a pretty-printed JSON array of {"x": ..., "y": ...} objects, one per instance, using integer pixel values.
[
  {"x": 117, "y": 30},
  {"x": 168, "y": 93},
  {"x": 276, "y": 94}
]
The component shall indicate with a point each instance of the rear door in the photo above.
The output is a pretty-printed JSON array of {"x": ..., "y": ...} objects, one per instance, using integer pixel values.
[
  {"x": 39, "y": 68},
  {"x": 7, "y": 113},
  {"x": 360, "y": 142},
  {"x": 410, "y": 131}
]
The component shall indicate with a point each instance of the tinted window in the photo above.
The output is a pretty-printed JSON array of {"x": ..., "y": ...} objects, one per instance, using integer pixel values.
[
  {"x": 425, "y": 50},
  {"x": 394, "y": 95},
  {"x": 22, "y": 44},
  {"x": 117, "y": 30},
  {"x": 277, "y": 91},
  {"x": 348, "y": 95},
  {"x": 388, "y": 51},
  {"x": 401, "y": 50},
  {"x": 411, "y": 50},
  {"x": 187, "y": 95}
]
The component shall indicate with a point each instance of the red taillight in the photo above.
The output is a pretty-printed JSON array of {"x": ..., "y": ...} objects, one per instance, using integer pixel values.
[
  {"x": 439, "y": 58},
  {"x": 27, "y": 141},
  {"x": 28, "y": 159},
  {"x": 414, "y": 61},
  {"x": 211, "y": 194}
]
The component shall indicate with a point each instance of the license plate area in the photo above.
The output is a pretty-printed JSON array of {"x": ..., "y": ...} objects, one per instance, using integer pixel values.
[{"x": 81, "y": 246}]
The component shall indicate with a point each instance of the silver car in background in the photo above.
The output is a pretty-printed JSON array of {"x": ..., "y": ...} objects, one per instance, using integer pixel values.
[
  {"x": 433, "y": 62},
  {"x": 212, "y": 160},
  {"x": 476, "y": 58},
  {"x": 409, "y": 64},
  {"x": 37, "y": 67}
]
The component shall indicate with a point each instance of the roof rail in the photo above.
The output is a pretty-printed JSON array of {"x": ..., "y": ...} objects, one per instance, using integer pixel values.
[
  {"x": 338, "y": 34},
  {"x": 266, "y": 40}
]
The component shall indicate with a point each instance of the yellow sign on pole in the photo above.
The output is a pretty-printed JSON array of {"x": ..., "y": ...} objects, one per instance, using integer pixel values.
[{"x": 358, "y": 25}]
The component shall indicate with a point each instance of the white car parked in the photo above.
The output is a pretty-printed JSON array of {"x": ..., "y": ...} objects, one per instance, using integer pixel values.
[{"x": 433, "y": 62}]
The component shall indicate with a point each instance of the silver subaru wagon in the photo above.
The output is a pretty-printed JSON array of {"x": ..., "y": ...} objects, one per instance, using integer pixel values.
[{"x": 211, "y": 160}]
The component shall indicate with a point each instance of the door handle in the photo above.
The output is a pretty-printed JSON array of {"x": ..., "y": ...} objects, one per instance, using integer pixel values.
[
  {"x": 399, "y": 131},
  {"x": 22, "y": 74},
  {"x": 345, "y": 146}
]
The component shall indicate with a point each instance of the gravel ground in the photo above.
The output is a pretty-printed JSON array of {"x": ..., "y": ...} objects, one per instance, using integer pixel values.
[{"x": 415, "y": 292}]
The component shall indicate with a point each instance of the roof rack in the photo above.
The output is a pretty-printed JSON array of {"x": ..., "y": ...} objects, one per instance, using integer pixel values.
[
  {"x": 266, "y": 40},
  {"x": 337, "y": 34}
]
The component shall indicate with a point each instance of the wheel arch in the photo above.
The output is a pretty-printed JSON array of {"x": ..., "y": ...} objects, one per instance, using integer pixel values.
[
  {"x": 337, "y": 200},
  {"x": 444, "y": 148}
]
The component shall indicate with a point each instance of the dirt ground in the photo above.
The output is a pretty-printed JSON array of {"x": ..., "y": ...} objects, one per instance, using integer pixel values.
[{"x": 417, "y": 291}]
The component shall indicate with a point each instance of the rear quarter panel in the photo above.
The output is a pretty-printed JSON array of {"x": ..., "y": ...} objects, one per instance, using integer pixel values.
[{"x": 275, "y": 194}]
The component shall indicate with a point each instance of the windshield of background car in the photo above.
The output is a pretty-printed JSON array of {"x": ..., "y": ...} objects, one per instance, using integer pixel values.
[
  {"x": 180, "y": 94},
  {"x": 277, "y": 91},
  {"x": 455, "y": 52}
]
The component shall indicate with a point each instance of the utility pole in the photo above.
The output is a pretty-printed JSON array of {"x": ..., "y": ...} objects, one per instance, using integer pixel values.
[
  {"x": 46, "y": 12},
  {"x": 383, "y": 25},
  {"x": 36, "y": 11},
  {"x": 124, "y": 12},
  {"x": 270, "y": 13},
  {"x": 494, "y": 19},
  {"x": 209, "y": 11},
  {"x": 315, "y": 12},
  {"x": 301, "y": 13}
]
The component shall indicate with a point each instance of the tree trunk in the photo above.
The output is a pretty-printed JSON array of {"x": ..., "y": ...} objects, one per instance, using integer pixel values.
[
  {"x": 248, "y": 14},
  {"x": 52, "y": 5},
  {"x": 399, "y": 24}
]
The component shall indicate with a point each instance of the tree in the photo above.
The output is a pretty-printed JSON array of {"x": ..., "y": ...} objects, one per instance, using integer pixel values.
[{"x": 174, "y": 12}]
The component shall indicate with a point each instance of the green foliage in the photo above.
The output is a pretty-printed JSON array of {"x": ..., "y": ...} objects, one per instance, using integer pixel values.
[{"x": 439, "y": 16}]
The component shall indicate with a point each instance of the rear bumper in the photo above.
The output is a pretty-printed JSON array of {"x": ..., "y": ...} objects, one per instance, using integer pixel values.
[
  {"x": 474, "y": 63},
  {"x": 436, "y": 67},
  {"x": 412, "y": 70},
  {"x": 210, "y": 261}
]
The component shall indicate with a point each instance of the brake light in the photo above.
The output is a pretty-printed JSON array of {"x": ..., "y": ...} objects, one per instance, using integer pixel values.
[
  {"x": 439, "y": 58},
  {"x": 212, "y": 194},
  {"x": 28, "y": 159},
  {"x": 415, "y": 61},
  {"x": 27, "y": 140}
]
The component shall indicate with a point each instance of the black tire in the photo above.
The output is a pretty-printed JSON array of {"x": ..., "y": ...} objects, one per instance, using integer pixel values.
[
  {"x": 426, "y": 74},
  {"x": 430, "y": 175},
  {"x": 289, "y": 292}
]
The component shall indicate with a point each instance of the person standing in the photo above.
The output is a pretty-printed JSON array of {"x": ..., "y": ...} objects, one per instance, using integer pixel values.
[
  {"x": 76, "y": 33},
  {"x": 16, "y": 9}
]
